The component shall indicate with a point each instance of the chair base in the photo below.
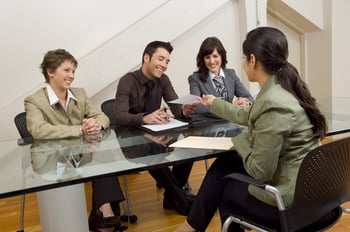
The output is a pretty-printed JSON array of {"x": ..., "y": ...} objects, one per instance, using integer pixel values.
[{"x": 322, "y": 224}]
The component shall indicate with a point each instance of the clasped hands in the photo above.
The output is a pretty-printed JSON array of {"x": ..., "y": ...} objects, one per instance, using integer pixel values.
[{"x": 90, "y": 126}]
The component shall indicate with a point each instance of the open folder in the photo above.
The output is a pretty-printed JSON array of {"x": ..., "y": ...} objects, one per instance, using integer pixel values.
[{"x": 216, "y": 143}]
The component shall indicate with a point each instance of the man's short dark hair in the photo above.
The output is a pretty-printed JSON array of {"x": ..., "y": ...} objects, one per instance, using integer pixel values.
[{"x": 152, "y": 47}]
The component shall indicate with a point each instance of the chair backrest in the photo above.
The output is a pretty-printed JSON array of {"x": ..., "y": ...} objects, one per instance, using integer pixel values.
[
  {"x": 323, "y": 183},
  {"x": 21, "y": 124},
  {"x": 107, "y": 107}
]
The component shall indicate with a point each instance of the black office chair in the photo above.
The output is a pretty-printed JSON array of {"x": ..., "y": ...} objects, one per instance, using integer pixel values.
[
  {"x": 322, "y": 186},
  {"x": 21, "y": 124},
  {"x": 108, "y": 108}
]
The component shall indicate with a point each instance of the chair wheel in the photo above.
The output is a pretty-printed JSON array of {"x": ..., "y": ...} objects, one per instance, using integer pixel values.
[{"x": 131, "y": 218}]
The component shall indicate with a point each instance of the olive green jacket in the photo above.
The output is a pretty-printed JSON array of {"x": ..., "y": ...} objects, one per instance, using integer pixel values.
[{"x": 279, "y": 135}]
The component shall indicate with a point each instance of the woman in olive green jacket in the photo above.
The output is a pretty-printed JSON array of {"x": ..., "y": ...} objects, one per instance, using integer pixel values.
[{"x": 283, "y": 125}]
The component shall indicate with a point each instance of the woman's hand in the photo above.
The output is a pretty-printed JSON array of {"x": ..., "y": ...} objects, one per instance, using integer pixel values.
[
  {"x": 207, "y": 100},
  {"x": 242, "y": 102},
  {"x": 90, "y": 126}
]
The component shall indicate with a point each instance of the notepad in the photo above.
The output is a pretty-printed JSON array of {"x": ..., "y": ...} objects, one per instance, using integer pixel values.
[
  {"x": 174, "y": 123},
  {"x": 201, "y": 142}
]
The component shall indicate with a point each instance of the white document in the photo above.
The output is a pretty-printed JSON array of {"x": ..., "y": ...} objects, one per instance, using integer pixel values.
[
  {"x": 174, "y": 123},
  {"x": 189, "y": 99},
  {"x": 217, "y": 143}
]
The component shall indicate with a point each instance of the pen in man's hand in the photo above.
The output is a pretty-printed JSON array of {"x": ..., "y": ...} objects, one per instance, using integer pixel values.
[{"x": 165, "y": 109}]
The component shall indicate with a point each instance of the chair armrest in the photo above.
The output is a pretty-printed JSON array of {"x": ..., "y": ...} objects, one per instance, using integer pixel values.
[
  {"x": 246, "y": 179},
  {"x": 259, "y": 184}
]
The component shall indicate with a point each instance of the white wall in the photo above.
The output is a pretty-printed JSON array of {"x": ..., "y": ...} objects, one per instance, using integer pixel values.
[
  {"x": 186, "y": 46},
  {"x": 340, "y": 48},
  {"x": 108, "y": 38}
]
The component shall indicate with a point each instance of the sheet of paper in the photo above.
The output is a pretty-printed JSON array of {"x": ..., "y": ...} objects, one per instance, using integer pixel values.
[
  {"x": 174, "y": 123},
  {"x": 189, "y": 99},
  {"x": 217, "y": 143}
]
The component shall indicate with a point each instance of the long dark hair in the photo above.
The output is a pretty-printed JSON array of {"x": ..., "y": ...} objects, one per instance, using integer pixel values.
[
  {"x": 270, "y": 47},
  {"x": 207, "y": 47}
]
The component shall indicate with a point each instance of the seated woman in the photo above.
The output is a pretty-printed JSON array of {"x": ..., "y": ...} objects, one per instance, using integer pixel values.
[
  {"x": 59, "y": 111},
  {"x": 284, "y": 124},
  {"x": 213, "y": 78}
]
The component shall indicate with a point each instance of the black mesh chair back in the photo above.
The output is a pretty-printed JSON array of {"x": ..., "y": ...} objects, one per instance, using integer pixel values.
[
  {"x": 322, "y": 184},
  {"x": 107, "y": 107},
  {"x": 21, "y": 124}
]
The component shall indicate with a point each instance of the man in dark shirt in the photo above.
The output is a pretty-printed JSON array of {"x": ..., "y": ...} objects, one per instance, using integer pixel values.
[{"x": 138, "y": 101}]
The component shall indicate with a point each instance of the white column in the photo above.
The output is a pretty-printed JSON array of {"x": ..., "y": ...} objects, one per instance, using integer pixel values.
[{"x": 63, "y": 209}]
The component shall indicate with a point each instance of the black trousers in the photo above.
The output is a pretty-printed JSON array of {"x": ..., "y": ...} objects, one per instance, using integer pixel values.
[
  {"x": 215, "y": 192},
  {"x": 173, "y": 180},
  {"x": 107, "y": 190}
]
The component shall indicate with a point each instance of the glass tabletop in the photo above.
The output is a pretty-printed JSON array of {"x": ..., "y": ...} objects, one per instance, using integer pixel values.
[
  {"x": 48, "y": 164},
  {"x": 42, "y": 165}
]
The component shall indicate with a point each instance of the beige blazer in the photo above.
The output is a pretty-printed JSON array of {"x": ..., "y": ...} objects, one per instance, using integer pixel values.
[{"x": 45, "y": 121}]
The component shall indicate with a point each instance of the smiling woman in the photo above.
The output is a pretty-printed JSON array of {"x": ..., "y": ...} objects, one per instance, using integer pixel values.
[
  {"x": 212, "y": 76},
  {"x": 58, "y": 111}
]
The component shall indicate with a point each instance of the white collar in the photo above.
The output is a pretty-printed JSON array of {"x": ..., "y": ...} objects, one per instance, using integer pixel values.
[
  {"x": 53, "y": 99},
  {"x": 212, "y": 75}
]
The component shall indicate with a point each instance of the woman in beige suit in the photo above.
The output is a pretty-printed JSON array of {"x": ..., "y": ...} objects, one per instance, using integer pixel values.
[
  {"x": 59, "y": 111},
  {"x": 284, "y": 124}
]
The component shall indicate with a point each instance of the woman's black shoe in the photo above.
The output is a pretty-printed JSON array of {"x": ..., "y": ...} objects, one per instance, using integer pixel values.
[
  {"x": 171, "y": 204},
  {"x": 97, "y": 221}
]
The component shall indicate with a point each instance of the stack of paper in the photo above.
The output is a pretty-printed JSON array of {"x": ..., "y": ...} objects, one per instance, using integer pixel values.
[{"x": 217, "y": 143}]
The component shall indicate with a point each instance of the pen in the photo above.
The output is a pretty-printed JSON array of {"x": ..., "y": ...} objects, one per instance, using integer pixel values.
[{"x": 165, "y": 109}]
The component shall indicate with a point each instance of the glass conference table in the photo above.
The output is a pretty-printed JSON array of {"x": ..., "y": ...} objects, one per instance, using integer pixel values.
[{"x": 57, "y": 169}]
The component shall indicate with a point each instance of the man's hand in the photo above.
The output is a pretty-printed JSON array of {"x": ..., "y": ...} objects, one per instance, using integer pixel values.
[
  {"x": 160, "y": 139},
  {"x": 159, "y": 116}
]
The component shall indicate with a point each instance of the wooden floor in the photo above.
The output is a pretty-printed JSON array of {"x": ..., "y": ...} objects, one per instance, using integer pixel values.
[{"x": 146, "y": 204}]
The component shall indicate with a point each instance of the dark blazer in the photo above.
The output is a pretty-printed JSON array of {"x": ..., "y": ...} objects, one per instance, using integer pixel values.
[{"x": 233, "y": 84}]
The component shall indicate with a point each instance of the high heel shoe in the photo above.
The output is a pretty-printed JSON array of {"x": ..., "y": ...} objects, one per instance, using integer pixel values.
[{"x": 97, "y": 221}]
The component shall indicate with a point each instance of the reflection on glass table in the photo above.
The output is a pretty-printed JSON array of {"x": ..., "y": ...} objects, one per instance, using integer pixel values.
[{"x": 61, "y": 159}]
